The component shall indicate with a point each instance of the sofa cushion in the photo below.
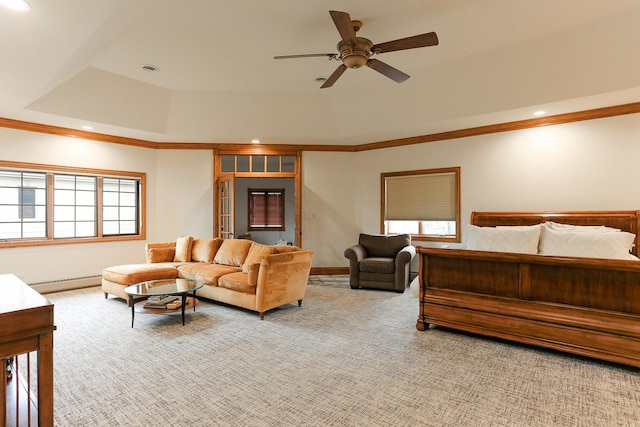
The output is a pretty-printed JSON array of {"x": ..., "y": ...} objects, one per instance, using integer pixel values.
[
  {"x": 237, "y": 282},
  {"x": 256, "y": 254},
  {"x": 183, "y": 249},
  {"x": 203, "y": 250},
  {"x": 130, "y": 274},
  {"x": 378, "y": 265},
  {"x": 233, "y": 252},
  {"x": 160, "y": 255},
  {"x": 383, "y": 246},
  {"x": 207, "y": 273}
]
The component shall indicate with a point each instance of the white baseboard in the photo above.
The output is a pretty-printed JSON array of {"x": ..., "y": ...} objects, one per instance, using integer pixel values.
[{"x": 66, "y": 284}]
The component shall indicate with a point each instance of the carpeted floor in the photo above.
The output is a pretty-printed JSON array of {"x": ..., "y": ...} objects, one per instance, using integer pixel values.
[{"x": 345, "y": 358}]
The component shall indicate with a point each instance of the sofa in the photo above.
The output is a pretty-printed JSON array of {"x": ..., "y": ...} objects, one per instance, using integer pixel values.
[{"x": 237, "y": 272}]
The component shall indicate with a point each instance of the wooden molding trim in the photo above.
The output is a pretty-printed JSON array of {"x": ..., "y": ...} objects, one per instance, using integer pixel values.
[
  {"x": 329, "y": 271},
  {"x": 74, "y": 133},
  {"x": 597, "y": 113}
]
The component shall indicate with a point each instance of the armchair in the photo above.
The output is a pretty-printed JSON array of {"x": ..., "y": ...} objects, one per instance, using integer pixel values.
[{"x": 380, "y": 262}]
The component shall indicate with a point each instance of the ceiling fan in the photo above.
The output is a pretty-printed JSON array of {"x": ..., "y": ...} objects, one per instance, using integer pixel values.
[{"x": 358, "y": 51}]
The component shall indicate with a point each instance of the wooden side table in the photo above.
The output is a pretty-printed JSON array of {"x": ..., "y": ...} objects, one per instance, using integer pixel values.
[{"x": 27, "y": 325}]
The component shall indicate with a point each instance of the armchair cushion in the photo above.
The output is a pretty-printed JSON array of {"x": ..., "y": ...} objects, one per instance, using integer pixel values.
[{"x": 378, "y": 265}]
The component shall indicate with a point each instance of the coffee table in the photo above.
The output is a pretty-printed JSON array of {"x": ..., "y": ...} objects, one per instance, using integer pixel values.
[{"x": 180, "y": 287}]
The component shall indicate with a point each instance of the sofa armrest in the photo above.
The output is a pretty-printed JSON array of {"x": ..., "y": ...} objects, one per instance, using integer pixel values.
[
  {"x": 282, "y": 279},
  {"x": 355, "y": 254},
  {"x": 403, "y": 267}
]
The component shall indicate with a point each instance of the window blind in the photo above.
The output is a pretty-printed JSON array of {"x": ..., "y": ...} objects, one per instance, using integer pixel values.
[
  {"x": 266, "y": 208},
  {"x": 430, "y": 197}
]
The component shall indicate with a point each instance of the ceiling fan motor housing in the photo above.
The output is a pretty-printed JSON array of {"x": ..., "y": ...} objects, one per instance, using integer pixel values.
[{"x": 357, "y": 55}]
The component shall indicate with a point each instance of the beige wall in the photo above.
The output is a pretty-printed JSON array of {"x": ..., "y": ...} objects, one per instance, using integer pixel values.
[{"x": 584, "y": 165}]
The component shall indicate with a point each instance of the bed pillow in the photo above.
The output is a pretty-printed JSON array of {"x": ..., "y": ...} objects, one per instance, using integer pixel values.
[
  {"x": 611, "y": 245},
  {"x": 581, "y": 228},
  {"x": 516, "y": 239}
]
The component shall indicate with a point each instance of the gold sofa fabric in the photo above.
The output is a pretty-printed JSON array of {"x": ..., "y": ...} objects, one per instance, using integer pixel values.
[{"x": 242, "y": 273}]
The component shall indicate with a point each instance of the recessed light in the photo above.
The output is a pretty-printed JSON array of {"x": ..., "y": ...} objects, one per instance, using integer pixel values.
[
  {"x": 87, "y": 127},
  {"x": 321, "y": 79},
  {"x": 148, "y": 67},
  {"x": 255, "y": 141},
  {"x": 20, "y": 5},
  {"x": 540, "y": 113}
]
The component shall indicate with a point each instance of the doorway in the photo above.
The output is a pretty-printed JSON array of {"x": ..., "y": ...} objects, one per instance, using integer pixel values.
[{"x": 235, "y": 173}]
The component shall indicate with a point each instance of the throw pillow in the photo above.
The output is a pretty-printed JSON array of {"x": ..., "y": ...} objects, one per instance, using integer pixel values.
[
  {"x": 161, "y": 254},
  {"x": 232, "y": 252},
  {"x": 256, "y": 254},
  {"x": 183, "y": 249},
  {"x": 203, "y": 250},
  {"x": 516, "y": 239}
]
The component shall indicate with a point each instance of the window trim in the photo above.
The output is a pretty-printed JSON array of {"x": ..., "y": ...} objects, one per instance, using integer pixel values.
[
  {"x": 282, "y": 225},
  {"x": 424, "y": 237},
  {"x": 57, "y": 169}
]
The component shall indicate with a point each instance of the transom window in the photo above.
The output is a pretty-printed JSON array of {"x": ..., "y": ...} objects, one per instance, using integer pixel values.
[
  {"x": 423, "y": 203},
  {"x": 50, "y": 204},
  {"x": 266, "y": 210}
]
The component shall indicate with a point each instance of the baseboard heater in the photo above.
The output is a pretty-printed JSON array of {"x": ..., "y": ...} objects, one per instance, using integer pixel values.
[{"x": 66, "y": 284}]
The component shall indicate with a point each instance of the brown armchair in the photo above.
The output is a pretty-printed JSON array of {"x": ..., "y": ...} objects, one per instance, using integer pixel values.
[{"x": 380, "y": 262}]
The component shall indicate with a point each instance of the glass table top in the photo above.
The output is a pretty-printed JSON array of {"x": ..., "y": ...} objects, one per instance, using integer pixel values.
[{"x": 164, "y": 287}]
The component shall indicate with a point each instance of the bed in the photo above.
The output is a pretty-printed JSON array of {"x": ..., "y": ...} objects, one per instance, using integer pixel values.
[{"x": 578, "y": 304}]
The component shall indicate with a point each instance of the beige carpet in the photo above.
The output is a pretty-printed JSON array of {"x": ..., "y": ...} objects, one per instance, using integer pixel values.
[{"x": 345, "y": 358}]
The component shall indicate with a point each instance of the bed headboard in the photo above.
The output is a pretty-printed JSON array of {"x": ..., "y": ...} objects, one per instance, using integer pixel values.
[{"x": 623, "y": 220}]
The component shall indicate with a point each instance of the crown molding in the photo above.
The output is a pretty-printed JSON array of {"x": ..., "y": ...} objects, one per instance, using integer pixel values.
[{"x": 597, "y": 113}]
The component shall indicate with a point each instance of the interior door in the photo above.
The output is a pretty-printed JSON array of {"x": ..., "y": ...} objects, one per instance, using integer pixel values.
[{"x": 226, "y": 206}]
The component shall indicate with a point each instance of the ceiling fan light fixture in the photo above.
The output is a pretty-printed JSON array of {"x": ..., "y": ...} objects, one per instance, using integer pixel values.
[{"x": 355, "y": 60}]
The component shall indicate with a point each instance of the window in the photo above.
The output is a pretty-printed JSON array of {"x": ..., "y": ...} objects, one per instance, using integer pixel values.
[
  {"x": 119, "y": 206},
  {"x": 266, "y": 210},
  {"x": 74, "y": 206},
  {"x": 42, "y": 204},
  {"x": 22, "y": 205},
  {"x": 423, "y": 203}
]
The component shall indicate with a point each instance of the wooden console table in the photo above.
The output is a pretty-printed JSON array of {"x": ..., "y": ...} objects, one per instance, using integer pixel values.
[{"x": 26, "y": 325}]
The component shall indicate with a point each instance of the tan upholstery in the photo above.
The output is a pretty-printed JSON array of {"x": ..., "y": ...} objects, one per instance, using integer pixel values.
[
  {"x": 130, "y": 274},
  {"x": 243, "y": 273},
  {"x": 208, "y": 273}
]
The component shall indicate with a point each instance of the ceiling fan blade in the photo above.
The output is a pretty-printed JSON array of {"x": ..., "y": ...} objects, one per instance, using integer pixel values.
[
  {"x": 306, "y": 55},
  {"x": 387, "y": 70},
  {"x": 344, "y": 25},
  {"x": 335, "y": 76},
  {"x": 422, "y": 40}
]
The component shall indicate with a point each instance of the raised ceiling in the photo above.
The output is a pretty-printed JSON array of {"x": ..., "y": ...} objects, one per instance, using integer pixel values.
[{"x": 71, "y": 63}]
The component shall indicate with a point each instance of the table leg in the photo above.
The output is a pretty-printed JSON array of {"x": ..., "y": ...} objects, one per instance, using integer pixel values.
[
  {"x": 194, "y": 300},
  {"x": 132, "y": 302},
  {"x": 184, "y": 302}
]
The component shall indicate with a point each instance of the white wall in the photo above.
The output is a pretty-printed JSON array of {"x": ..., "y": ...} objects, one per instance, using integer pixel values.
[
  {"x": 578, "y": 166},
  {"x": 179, "y": 201},
  {"x": 589, "y": 165}
]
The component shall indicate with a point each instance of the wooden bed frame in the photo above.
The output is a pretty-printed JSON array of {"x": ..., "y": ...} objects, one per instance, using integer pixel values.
[{"x": 584, "y": 306}]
